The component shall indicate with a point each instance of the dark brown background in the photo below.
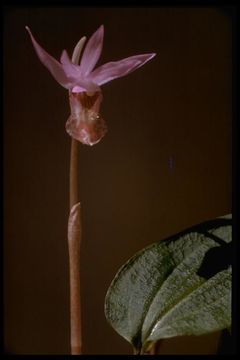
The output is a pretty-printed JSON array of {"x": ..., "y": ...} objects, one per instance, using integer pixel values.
[{"x": 178, "y": 105}]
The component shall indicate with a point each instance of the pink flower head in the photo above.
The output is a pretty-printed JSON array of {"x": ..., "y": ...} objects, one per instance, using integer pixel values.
[{"x": 83, "y": 82}]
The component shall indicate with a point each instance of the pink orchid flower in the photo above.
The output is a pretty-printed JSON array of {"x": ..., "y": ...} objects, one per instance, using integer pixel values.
[{"x": 83, "y": 82}]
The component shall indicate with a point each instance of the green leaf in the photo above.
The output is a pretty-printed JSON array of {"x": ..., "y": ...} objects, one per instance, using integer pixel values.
[{"x": 159, "y": 293}]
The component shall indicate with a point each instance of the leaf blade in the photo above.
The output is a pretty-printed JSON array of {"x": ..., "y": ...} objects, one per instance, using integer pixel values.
[{"x": 162, "y": 276}]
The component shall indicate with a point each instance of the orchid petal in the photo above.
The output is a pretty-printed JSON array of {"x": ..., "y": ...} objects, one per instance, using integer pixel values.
[
  {"x": 117, "y": 69},
  {"x": 70, "y": 69},
  {"x": 75, "y": 75},
  {"x": 92, "y": 51},
  {"x": 51, "y": 64},
  {"x": 75, "y": 60},
  {"x": 77, "y": 50}
]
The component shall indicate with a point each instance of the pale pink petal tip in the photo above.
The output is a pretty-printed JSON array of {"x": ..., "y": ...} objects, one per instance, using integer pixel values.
[
  {"x": 152, "y": 55},
  {"x": 28, "y": 30}
]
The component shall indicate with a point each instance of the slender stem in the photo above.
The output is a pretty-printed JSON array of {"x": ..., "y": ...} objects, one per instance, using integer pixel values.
[
  {"x": 136, "y": 351},
  {"x": 74, "y": 242},
  {"x": 74, "y": 238},
  {"x": 73, "y": 173},
  {"x": 153, "y": 350}
]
